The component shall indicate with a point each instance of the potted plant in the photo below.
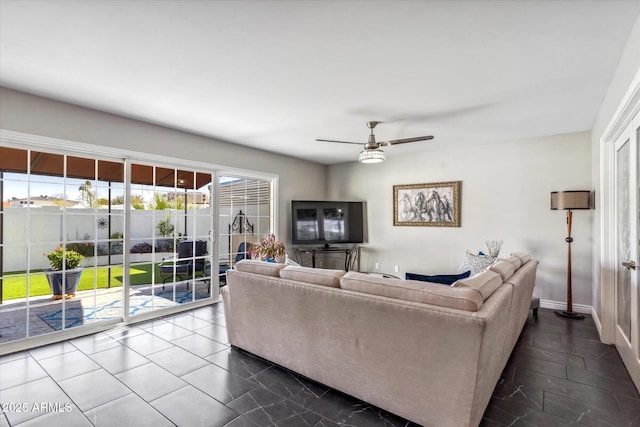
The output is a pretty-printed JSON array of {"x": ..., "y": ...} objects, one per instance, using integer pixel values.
[
  {"x": 64, "y": 267},
  {"x": 165, "y": 229},
  {"x": 269, "y": 249}
]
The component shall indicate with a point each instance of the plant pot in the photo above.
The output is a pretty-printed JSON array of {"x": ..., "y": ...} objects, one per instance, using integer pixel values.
[{"x": 71, "y": 279}]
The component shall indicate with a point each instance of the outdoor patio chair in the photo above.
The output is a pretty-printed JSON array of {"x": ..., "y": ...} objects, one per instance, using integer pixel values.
[
  {"x": 186, "y": 265},
  {"x": 241, "y": 253}
]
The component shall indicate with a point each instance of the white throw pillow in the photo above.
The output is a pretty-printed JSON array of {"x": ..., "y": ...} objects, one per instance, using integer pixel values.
[{"x": 476, "y": 263}]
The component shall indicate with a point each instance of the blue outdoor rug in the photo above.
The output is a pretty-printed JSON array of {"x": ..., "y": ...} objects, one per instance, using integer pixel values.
[{"x": 76, "y": 316}]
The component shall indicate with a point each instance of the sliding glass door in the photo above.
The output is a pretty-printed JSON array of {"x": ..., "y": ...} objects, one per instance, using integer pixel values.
[
  {"x": 61, "y": 247},
  {"x": 91, "y": 240},
  {"x": 171, "y": 214}
]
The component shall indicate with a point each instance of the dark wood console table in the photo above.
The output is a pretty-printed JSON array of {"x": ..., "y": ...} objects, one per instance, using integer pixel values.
[{"x": 351, "y": 256}]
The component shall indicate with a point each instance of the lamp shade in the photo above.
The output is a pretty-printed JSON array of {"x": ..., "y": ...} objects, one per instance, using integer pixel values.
[
  {"x": 371, "y": 156},
  {"x": 571, "y": 200}
]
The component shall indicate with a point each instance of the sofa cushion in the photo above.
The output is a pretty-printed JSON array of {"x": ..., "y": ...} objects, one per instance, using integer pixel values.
[
  {"x": 486, "y": 282},
  {"x": 316, "y": 276},
  {"x": 443, "y": 279},
  {"x": 259, "y": 267},
  {"x": 467, "y": 299},
  {"x": 504, "y": 268},
  {"x": 516, "y": 261},
  {"x": 524, "y": 257}
]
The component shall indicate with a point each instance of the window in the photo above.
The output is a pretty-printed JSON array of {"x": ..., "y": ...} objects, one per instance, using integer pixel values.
[
  {"x": 146, "y": 232},
  {"x": 245, "y": 215}
]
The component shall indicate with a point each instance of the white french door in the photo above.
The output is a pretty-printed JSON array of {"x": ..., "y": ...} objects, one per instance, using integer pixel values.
[{"x": 627, "y": 216}]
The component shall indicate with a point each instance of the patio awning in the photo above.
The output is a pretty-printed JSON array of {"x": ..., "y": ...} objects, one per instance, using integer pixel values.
[{"x": 40, "y": 163}]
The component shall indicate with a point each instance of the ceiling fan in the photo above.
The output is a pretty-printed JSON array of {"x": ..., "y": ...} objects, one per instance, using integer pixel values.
[{"x": 372, "y": 152}]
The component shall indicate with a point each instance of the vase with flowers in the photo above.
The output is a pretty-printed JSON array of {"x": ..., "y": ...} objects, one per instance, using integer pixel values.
[
  {"x": 269, "y": 249},
  {"x": 65, "y": 272}
]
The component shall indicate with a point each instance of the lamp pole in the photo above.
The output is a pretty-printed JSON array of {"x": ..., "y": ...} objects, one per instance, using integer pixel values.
[
  {"x": 569, "y": 239},
  {"x": 569, "y": 312}
]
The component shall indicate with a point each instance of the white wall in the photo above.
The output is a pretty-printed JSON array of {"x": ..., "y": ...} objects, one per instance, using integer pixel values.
[
  {"x": 505, "y": 195},
  {"x": 26, "y": 113},
  {"x": 628, "y": 67}
]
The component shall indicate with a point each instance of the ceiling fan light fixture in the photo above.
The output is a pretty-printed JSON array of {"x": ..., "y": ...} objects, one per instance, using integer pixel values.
[
  {"x": 371, "y": 156},
  {"x": 372, "y": 152}
]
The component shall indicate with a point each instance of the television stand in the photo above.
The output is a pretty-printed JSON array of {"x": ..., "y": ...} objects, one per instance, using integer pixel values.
[{"x": 351, "y": 255}]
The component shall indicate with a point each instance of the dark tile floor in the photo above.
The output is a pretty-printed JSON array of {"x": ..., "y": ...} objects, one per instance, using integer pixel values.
[{"x": 179, "y": 370}]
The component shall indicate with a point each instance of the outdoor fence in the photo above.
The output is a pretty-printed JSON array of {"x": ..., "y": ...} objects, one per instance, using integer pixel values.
[{"x": 48, "y": 227}]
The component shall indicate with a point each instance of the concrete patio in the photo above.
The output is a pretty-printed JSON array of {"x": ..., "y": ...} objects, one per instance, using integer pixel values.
[{"x": 20, "y": 318}]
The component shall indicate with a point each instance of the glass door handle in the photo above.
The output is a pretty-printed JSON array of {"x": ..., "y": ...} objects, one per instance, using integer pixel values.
[{"x": 631, "y": 265}]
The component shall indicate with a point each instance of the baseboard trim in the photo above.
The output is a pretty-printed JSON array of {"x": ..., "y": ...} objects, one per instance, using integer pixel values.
[
  {"x": 598, "y": 323},
  {"x": 558, "y": 305}
]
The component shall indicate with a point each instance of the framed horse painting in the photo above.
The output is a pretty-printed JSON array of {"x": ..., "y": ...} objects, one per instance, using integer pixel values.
[{"x": 431, "y": 205}]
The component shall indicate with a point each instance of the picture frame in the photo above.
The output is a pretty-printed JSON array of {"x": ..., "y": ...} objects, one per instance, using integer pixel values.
[{"x": 427, "y": 205}]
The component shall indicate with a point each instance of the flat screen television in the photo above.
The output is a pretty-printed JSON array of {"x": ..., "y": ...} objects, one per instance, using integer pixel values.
[{"x": 326, "y": 222}]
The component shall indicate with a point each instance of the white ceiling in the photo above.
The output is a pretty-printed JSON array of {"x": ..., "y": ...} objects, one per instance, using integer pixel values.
[{"x": 278, "y": 74}]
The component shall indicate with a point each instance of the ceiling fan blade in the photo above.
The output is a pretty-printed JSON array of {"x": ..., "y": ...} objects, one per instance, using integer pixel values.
[
  {"x": 405, "y": 140},
  {"x": 341, "y": 142}
]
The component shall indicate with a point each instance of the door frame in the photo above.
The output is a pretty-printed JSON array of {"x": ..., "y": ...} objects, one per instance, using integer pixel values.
[{"x": 623, "y": 117}]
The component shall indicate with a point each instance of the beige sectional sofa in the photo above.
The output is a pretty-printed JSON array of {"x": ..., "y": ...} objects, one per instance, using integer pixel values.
[{"x": 430, "y": 353}]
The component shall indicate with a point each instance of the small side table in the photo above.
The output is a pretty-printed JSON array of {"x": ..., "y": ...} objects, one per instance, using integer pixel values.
[{"x": 535, "y": 304}]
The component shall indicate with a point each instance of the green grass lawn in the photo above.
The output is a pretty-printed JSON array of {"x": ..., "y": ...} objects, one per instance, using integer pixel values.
[{"x": 14, "y": 285}]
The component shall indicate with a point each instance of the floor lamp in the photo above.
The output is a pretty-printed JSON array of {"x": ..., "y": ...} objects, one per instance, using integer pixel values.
[{"x": 569, "y": 200}]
